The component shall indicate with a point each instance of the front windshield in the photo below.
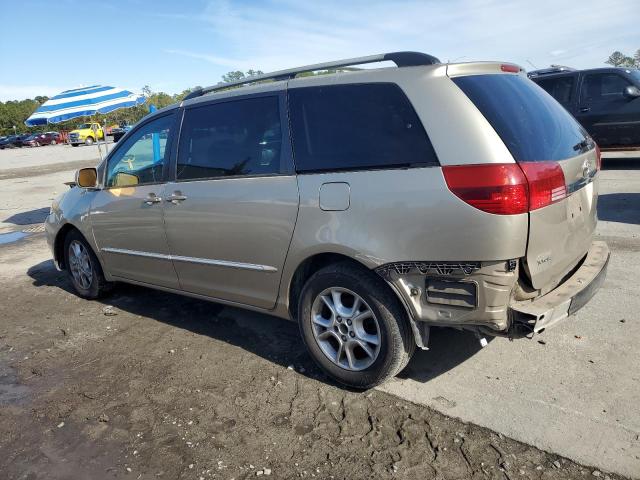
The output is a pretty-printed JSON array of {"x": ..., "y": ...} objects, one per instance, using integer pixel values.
[{"x": 84, "y": 125}]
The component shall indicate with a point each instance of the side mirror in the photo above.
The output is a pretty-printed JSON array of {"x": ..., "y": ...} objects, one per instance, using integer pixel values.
[
  {"x": 631, "y": 91},
  {"x": 124, "y": 179},
  {"x": 87, "y": 177}
]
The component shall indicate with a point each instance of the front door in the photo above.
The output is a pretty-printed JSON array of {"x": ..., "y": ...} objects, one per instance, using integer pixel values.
[
  {"x": 126, "y": 215},
  {"x": 231, "y": 211},
  {"x": 610, "y": 117}
]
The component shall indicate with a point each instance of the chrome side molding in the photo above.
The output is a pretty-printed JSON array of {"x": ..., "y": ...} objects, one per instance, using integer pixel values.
[{"x": 202, "y": 261}]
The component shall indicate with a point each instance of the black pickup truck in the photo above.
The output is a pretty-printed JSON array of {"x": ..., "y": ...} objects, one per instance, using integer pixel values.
[{"x": 606, "y": 101}]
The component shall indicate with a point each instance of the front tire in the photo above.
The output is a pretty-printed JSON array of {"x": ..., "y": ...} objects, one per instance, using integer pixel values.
[
  {"x": 83, "y": 267},
  {"x": 88, "y": 141},
  {"x": 53, "y": 142},
  {"x": 353, "y": 326}
]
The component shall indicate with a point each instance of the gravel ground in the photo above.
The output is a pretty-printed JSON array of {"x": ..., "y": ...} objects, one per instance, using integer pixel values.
[{"x": 151, "y": 385}]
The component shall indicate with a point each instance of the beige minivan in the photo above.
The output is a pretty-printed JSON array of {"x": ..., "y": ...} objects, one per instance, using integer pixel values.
[{"x": 367, "y": 205}]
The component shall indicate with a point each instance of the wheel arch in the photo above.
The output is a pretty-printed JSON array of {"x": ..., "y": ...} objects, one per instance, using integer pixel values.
[
  {"x": 315, "y": 262},
  {"x": 58, "y": 244}
]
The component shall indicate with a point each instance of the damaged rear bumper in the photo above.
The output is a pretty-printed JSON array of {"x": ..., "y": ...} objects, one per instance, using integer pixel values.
[{"x": 538, "y": 314}]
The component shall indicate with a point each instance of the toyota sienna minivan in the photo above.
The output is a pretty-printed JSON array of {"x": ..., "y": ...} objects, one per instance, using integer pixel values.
[{"x": 366, "y": 205}]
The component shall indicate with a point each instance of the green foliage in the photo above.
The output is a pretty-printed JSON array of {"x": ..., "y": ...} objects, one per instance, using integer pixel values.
[
  {"x": 15, "y": 112},
  {"x": 239, "y": 75},
  {"x": 619, "y": 59}
]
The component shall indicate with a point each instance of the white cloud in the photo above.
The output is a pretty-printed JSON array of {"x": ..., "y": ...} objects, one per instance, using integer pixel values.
[
  {"x": 216, "y": 60},
  {"x": 278, "y": 34}
]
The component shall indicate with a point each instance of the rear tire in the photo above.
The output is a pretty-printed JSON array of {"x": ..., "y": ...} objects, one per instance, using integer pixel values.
[
  {"x": 83, "y": 267},
  {"x": 354, "y": 326}
]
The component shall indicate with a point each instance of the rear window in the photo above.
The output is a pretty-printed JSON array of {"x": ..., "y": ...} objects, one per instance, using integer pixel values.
[
  {"x": 361, "y": 126},
  {"x": 530, "y": 122},
  {"x": 560, "y": 88}
]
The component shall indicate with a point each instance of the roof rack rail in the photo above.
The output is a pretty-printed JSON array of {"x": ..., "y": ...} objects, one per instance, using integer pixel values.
[{"x": 401, "y": 59}]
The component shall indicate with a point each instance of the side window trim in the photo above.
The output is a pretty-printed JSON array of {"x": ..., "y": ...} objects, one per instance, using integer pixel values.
[
  {"x": 286, "y": 156},
  {"x": 105, "y": 163}
]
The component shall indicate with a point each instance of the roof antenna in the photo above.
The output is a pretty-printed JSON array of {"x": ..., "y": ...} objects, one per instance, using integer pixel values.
[{"x": 531, "y": 63}]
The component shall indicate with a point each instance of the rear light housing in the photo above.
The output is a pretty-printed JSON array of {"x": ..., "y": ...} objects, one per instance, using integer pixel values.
[
  {"x": 598, "y": 158},
  {"x": 499, "y": 188},
  {"x": 546, "y": 183},
  {"x": 507, "y": 188}
]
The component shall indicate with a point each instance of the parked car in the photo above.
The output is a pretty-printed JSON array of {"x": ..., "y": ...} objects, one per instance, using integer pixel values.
[
  {"x": 86, "y": 133},
  {"x": 30, "y": 141},
  {"x": 120, "y": 131},
  {"x": 14, "y": 141},
  {"x": 7, "y": 142},
  {"x": 51, "y": 138},
  {"x": 38, "y": 139},
  {"x": 606, "y": 101},
  {"x": 367, "y": 206}
]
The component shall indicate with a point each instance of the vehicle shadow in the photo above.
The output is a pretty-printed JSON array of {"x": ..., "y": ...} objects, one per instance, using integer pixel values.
[
  {"x": 448, "y": 348},
  {"x": 619, "y": 207},
  {"x": 269, "y": 337},
  {"x": 39, "y": 215}
]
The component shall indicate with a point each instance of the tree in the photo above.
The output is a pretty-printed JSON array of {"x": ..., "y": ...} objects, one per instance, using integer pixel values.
[
  {"x": 616, "y": 59},
  {"x": 619, "y": 59},
  {"x": 239, "y": 75}
]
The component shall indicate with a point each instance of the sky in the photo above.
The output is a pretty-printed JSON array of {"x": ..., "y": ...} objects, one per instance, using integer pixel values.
[{"x": 50, "y": 46}]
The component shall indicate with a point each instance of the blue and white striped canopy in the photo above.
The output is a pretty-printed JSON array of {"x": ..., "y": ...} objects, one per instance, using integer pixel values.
[{"x": 81, "y": 102}]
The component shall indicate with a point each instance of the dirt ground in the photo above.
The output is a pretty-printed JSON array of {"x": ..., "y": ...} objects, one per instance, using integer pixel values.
[{"x": 149, "y": 385}]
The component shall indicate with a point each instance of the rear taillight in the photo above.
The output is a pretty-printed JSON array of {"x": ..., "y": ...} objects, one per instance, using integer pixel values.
[
  {"x": 507, "y": 188},
  {"x": 598, "y": 158},
  {"x": 546, "y": 183},
  {"x": 499, "y": 188}
]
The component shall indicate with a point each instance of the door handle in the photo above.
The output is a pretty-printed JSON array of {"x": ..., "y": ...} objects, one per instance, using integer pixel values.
[
  {"x": 176, "y": 198},
  {"x": 152, "y": 198},
  {"x": 584, "y": 109}
]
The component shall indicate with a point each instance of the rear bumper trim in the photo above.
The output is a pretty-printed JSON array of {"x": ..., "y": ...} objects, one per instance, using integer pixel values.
[{"x": 569, "y": 297}]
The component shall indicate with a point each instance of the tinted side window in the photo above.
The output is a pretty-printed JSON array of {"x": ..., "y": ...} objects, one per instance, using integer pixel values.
[
  {"x": 603, "y": 87},
  {"x": 141, "y": 159},
  {"x": 240, "y": 137},
  {"x": 560, "y": 88},
  {"x": 356, "y": 126},
  {"x": 531, "y": 123}
]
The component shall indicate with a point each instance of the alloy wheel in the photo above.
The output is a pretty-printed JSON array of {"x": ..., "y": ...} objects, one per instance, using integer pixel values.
[
  {"x": 346, "y": 329},
  {"x": 80, "y": 264}
]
